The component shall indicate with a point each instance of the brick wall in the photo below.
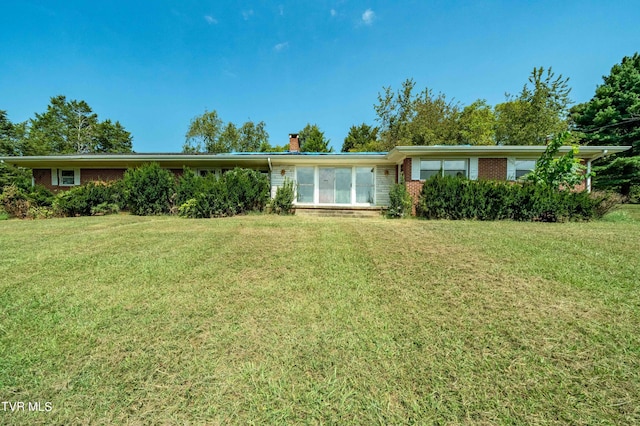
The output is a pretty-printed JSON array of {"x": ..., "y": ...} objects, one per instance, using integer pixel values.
[
  {"x": 43, "y": 176},
  {"x": 492, "y": 168},
  {"x": 89, "y": 175}
]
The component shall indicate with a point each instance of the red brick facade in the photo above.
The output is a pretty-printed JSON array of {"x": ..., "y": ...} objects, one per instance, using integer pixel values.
[
  {"x": 43, "y": 177},
  {"x": 492, "y": 168}
]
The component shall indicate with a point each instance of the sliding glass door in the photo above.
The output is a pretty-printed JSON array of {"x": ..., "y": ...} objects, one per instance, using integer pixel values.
[{"x": 336, "y": 185}]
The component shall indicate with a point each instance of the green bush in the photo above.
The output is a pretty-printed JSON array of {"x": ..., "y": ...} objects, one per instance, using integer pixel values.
[
  {"x": 189, "y": 185},
  {"x": 41, "y": 196},
  {"x": 235, "y": 192},
  {"x": 85, "y": 200},
  {"x": 282, "y": 203},
  {"x": 634, "y": 194},
  {"x": 15, "y": 202},
  {"x": 445, "y": 197},
  {"x": 149, "y": 190},
  {"x": 400, "y": 201}
]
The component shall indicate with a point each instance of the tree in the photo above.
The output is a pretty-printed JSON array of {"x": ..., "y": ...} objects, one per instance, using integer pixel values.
[
  {"x": 112, "y": 137},
  {"x": 538, "y": 113},
  {"x": 558, "y": 171},
  {"x": 313, "y": 140},
  {"x": 416, "y": 119},
  {"x": 230, "y": 136},
  {"x": 253, "y": 137},
  {"x": 612, "y": 117},
  {"x": 11, "y": 137},
  {"x": 477, "y": 124},
  {"x": 69, "y": 127},
  {"x": 362, "y": 138},
  {"x": 204, "y": 134}
]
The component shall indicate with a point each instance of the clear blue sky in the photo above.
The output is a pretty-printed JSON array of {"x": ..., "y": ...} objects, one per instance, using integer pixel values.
[{"x": 154, "y": 65}]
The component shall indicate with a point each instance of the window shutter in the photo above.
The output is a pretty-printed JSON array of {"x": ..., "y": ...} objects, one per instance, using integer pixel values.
[
  {"x": 511, "y": 168},
  {"x": 473, "y": 168},
  {"x": 76, "y": 176},
  {"x": 415, "y": 168},
  {"x": 54, "y": 177}
]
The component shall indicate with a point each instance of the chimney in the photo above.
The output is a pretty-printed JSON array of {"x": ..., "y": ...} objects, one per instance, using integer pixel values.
[{"x": 294, "y": 143}]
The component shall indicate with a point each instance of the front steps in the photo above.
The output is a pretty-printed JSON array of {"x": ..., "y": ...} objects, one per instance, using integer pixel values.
[{"x": 339, "y": 212}]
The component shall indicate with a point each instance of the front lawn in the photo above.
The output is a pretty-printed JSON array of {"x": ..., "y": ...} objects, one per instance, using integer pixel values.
[{"x": 260, "y": 319}]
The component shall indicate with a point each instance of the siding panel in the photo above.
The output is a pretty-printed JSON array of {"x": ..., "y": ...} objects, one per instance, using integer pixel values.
[{"x": 385, "y": 178}]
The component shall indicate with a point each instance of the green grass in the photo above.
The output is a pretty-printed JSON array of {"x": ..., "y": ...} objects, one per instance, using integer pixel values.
[{"x": 262, "y": 320}]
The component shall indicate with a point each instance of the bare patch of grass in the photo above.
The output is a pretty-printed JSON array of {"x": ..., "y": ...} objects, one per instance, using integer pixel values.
[{"x": 261, "y": 319}]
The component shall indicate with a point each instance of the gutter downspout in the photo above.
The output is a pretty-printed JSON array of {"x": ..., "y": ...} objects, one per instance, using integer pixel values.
[
  {"x": 269, "y": 161},
  {"x": 589, "y": 175}
]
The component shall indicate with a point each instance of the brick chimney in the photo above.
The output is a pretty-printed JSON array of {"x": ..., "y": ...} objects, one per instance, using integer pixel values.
[{"x": 294, "y": 143}]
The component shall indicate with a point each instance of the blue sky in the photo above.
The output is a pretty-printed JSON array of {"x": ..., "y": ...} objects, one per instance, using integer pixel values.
[{"x": 154, "y": 65}]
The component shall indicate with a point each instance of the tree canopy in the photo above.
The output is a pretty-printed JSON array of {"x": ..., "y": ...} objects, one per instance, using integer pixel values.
[
  {"x": 538, "y": 113},
  {"x": 612, "y": 117},
  {"x": 312, "y": 139},
  {"x": 207, "y": 133},
  {"x": 362, "y": 138}
]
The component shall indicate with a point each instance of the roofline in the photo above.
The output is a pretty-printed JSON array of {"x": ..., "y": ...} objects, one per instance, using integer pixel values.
[
  {"x": 395, "y": 156},
  {"x": 399, "y": 153}
]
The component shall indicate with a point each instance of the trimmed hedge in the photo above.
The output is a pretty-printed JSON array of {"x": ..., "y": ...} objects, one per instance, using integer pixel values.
[{"x": 446, "y": 197}]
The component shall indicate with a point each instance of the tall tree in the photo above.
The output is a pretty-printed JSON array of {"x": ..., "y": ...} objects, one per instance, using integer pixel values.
[
  {"x": 112, "y": 137},
  {"x": 11, "y": 143},
  {"x": 612, "y": 117},
  {"x": 477, "y": 124},
  {"x": 253, "y": 137},
  {"x": 424, "y": 118},
  {"x": 538, "y": 113},
  {"x": 204, "y": 134},
  {"x": 313, "y": 140},
  {"x": 362, "y": 138},
  {"x": 230, "y": 136},
  {"x": 69, "y": 127}
]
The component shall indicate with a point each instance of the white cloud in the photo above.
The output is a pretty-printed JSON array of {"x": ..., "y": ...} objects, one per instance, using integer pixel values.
[
  {"x": 281, "y": 46},
  {"x": 210, "y": 19},
  {"x": 246, "y": 14},
  {"x": 368, "y": 17},
  {"x": 333, "y": 12}
]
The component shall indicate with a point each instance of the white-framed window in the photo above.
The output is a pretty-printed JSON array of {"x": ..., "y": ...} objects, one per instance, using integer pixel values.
[
  {"x": 524, "y": 167},
  {"x": 68, "y": 177},
  {"x": 430, "y": 168},
  {"x": 365, "y": 185}
]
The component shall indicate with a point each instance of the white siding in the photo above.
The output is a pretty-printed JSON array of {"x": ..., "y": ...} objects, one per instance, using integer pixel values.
[
  {"x": 473, "y": 168},
  {"x": 54, "y": 177},
  {"x": 415, "y": 169},
  {"x": 277, "y": 177},
  {"x": 511, "y": 168},
  {"x": 385, "y": 178}
]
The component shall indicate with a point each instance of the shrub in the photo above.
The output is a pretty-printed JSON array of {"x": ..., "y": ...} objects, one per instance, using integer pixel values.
[
  {"x": 15, "y": 202},
  {"x": 189, "y": 185},
  {"x": 85, "y": 200},
  {"x": 634, "y": 194},
  {"x": 247, "y": 190},
  {"x": 105, "y": 208},
  {"x": 282, "y": 203},
  {"x": 400, "y": 201},
  {"x": 455, "y": 198},
  {"x": 41, "y": 196},
  {"x": 149, "y": 190},
  {"x": 40, "y": 212},
  {"x": 189, "y": 209}
]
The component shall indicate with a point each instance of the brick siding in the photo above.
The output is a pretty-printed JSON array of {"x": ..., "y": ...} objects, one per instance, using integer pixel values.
[{"x": 492, "y": 168}]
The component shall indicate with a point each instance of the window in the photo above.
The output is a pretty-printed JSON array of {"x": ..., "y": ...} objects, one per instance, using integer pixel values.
[
  {"x": 364, "y": 185},
  {"x": 523, "y": 167},
  {"x": 305, "y": 179},
  {"x": 430, "y": 168},
  {"x": 67, "y": 178},
  {"x": 207, "y": 172}
]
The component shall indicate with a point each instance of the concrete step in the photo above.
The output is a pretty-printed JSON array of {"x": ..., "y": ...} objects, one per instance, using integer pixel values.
[{"x": 338, "y": 213}]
